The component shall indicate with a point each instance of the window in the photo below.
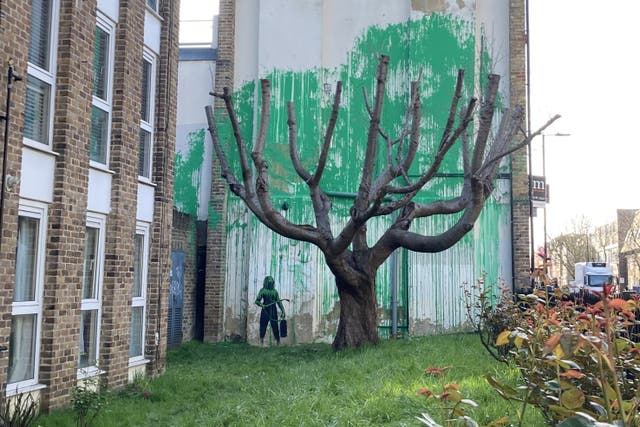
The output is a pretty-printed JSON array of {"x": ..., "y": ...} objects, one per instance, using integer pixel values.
[
  {"x": 152, "y": 4},
  {"x": 139, "y": 293},
  {"x": 146, "y": 114},
  {"x": 24, "y": 342},
  {"x": 91, "y": 305},
  {"x": 38, "y": 119},
  {"x": 103, "y": 52}
]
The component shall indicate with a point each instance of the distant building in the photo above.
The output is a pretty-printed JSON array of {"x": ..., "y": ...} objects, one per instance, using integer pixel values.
[
  {"x": 87, "y": 205},
  {"x": 629, "y": 248}
]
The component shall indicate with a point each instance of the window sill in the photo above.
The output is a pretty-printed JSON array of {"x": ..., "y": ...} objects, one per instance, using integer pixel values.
[
  {"x": 38, "y": 146},
  {"x": 154, "y": 13},
  {"x": 138, "y": 362},
  {"x": 13, "y": 391},
  {"x": 146, "y": 181},
  {"x": 88, "y": 372},
  {"x": 100, "y": 167}
]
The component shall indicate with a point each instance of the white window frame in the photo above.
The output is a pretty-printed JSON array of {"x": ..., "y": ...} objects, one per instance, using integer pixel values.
[
  {"x": 143, "y": 229},
  {"x": 33, "y": 209},
  {"x": 151, "y": 7},
  {"x": 47, "y": 76},
  {"x": 99, "y": 222},
  {"x": 108, "y": 26},
  {"x": 147, "y": 126}
]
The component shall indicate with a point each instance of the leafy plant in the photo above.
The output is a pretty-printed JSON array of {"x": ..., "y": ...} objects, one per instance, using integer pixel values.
[
  {"x": 452, "y": 404},
  {"x": 579, "y": 363},
  {"x": 87, "y": 400},
  {"x": 490, "y": 314},
  {"x": 18, "y": 411}
]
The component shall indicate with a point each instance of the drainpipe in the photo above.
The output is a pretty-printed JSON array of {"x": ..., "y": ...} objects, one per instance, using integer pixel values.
[{"x": 11, "y": 77}]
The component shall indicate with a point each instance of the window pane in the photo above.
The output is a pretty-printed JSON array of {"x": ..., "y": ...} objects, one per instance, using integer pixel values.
[
  {"x": 100, "y": 64},
  {"x": 90, "y": 259},
  {"x": 137, "y": 265},
  {"x": 36, "y": 115},
  {"x": 99, "y": 135},
  {"x": 145, "y": 113},
  {"x": 22, "y": 348},
  {"x": 153, "y": 4},
  {"x": 144, "y": 159},
  {"x": 26, "y": 256},
  {"x": 88, "y": 338},
  {"x": 39, "y": 42},
  {"x": 137, "y": 316}
]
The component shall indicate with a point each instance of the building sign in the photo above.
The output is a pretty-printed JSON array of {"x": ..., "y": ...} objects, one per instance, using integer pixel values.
[{"x": 538, "y": 189}]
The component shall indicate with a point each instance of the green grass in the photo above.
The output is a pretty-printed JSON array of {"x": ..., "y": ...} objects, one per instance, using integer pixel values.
[{"x": 229, "y": 384}]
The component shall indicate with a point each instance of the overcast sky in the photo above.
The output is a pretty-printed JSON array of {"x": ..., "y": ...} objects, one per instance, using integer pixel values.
[{"x": 584, "y": 57}]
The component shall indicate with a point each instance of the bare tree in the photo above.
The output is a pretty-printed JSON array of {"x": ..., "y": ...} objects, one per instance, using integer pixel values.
[
  {"x": 351, "y": 260},
  {"x": 576, "y": 245}
]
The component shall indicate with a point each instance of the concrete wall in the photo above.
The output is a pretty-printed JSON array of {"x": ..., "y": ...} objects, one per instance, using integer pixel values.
[{"x": 338, "y": 40}]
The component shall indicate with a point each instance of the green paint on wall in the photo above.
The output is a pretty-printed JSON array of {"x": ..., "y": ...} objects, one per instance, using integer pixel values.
[
  {"x": 187, "y": 174},
  {"x": 214, "y": 217},
  {"x": 439, "y": 44}
]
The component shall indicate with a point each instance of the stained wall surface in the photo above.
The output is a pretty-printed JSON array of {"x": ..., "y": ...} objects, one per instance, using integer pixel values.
[{"x": 305, "y": 48}]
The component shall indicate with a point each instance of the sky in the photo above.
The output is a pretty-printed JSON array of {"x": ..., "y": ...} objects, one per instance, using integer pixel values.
[
  {"x": 196, "y": 20},
  {"x": 583, "y": 58}
]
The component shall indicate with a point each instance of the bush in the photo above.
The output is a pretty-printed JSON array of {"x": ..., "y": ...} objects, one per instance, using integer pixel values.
[
  {"x": 575, "y": 360},
  {"x": 18, "y": 411},
  {"x": 87, "y": 400}
]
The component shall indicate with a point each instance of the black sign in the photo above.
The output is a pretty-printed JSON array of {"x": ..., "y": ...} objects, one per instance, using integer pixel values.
[{"x": 538, "y": 189}]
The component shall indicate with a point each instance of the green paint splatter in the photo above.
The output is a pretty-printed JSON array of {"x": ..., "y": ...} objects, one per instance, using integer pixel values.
[
  {"x": 187, "y": 174},
  {"x": 214, "y": 217},
  {"x": 438, "y": 44}
]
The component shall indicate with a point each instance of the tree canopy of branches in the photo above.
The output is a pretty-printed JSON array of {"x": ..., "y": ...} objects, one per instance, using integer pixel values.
[
  {"x": 580, "y": 243},
  {"x": 350, "y": 258}
]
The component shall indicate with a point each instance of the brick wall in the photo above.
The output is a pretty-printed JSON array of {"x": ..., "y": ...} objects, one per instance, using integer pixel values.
[
  {"x": 67, "y": 212},
  {"x": 121, "y": 224},
  {"x": 13, "y": 22},
  {"x": 520, "y": 182},
  {"x": 163, "y": 151},
  {"x": 216, "y": 236},
  {"x": 184, "y": 238}
]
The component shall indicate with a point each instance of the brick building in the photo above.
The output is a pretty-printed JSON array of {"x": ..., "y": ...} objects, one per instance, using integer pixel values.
[{"x": 87, "y": 209}]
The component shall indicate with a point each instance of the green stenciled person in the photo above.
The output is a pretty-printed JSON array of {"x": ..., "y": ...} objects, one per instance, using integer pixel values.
[{"x": 268, "y": 298}]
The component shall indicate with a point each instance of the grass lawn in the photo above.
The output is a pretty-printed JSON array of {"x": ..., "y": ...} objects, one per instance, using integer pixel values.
[{"x": 230, "y": 384}]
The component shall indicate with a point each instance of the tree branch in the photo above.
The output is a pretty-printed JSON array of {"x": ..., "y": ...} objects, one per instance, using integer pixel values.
[
  {"x": 227, "y": 174},
  {"x": 486, "y": 118},
  {"x": 293, "y": 144},
  {"x": 522, "y": 143},
  {"x": 457, "y": 95},
  {"x": 328, "y": 136},
  {"x": 244, "y": 161},
  {"x": 362, "y": 199}
]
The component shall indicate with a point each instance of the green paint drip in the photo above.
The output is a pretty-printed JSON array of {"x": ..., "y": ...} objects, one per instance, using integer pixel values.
[
  {"x": 439, "y": 45},
  {"x": 187, "y": 174}
]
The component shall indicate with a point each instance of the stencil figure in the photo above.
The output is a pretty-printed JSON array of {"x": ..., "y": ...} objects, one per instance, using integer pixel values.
[{"x": 268, "y": 298}]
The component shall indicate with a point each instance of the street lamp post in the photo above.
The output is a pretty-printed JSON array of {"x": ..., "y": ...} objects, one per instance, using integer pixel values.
[{"x": 544, "y": 174}]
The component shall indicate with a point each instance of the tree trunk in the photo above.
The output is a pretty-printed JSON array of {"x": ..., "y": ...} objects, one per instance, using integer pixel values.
[{"x": 358, "y": 317}]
